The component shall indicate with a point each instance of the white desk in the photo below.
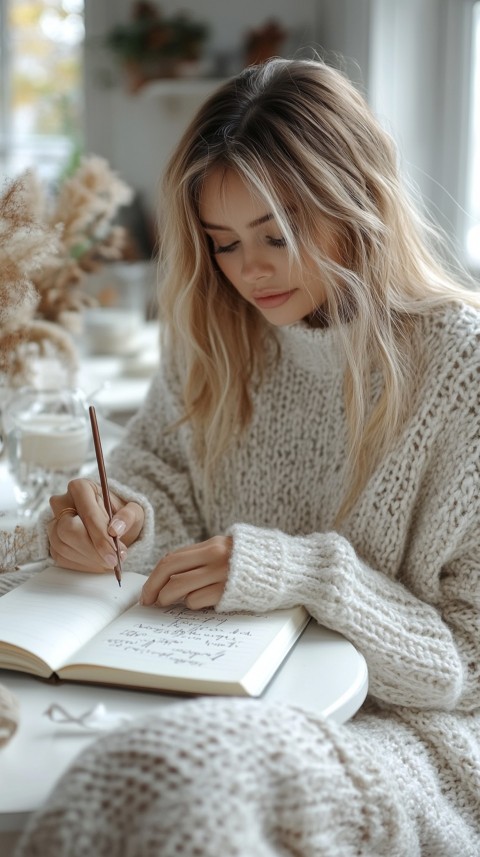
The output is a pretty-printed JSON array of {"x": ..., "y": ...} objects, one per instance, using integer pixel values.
[
  {"x": 113, "y": 393},
  {"x": 323, "y": 673},
  {"x": 117, "y": 385}
]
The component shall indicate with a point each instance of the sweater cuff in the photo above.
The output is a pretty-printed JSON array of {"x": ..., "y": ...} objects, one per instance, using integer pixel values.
[{"x": 257, "y": 580}]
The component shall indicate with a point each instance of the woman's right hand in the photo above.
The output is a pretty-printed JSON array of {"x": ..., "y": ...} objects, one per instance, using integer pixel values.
[{"x": 80, "y": 535}]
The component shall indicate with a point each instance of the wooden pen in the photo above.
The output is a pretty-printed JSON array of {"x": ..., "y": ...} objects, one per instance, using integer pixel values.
[{"x": 103, "y": 482}]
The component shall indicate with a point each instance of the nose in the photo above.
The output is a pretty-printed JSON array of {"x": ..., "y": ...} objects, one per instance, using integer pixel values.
[{"x": 255, "y": 268}]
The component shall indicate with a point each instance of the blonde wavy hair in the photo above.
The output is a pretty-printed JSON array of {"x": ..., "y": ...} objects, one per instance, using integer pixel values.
[{"x": 304, "y": 139}]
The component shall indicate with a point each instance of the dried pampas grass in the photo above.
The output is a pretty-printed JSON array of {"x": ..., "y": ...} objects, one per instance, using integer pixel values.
[
  {"x": 46, "y": 250},
  {"x": 26, "y": 244}
]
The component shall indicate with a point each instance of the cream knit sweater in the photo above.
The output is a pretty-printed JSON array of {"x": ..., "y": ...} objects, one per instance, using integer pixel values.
[{"x": 402, "y": 582}]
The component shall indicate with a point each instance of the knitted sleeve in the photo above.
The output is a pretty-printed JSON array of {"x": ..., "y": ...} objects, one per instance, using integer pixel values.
[
  {"x": 417, "y": 654},
  {"x": 152, "y": 460},
  {"x": 418, "y": 628}
]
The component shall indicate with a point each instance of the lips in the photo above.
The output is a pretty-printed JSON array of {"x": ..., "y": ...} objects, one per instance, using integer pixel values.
[{"x": 266, "y": 300}]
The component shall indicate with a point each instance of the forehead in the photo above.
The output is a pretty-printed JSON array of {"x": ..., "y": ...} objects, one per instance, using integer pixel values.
[{"x": 226, "y": 197}]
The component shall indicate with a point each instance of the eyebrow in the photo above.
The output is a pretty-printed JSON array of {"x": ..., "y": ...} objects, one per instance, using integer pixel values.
[{"x": 258, "y": 222}]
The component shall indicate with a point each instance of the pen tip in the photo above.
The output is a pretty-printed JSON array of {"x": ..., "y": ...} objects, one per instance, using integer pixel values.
[{"x": 120, "y": 583}]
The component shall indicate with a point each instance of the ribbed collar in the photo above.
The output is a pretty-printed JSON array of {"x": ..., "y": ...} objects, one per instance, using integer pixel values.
[{"x": 317, "y": 350}]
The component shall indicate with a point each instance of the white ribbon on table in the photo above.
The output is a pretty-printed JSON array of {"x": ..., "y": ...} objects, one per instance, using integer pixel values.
[
  {"x": 9, "y": 715},
  {"x": 96, "y": 719}
]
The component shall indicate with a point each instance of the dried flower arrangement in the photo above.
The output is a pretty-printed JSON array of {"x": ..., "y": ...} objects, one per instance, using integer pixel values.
[
  {"x": 46, "y": 250},
  {"x": 15, "y": 545}
]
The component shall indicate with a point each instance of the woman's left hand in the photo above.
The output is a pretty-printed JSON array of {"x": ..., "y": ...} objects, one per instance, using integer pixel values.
[{"x": 195, "y": 575}]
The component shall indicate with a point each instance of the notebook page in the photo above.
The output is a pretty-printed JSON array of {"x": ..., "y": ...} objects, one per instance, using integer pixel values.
[
  {"x": 181, "y": 643},
  {"x": 57, "y": 610}
]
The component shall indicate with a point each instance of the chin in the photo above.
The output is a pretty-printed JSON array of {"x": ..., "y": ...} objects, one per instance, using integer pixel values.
[
  {"x": 286, "y": 315},
  {"x": 283, "y": 319}
]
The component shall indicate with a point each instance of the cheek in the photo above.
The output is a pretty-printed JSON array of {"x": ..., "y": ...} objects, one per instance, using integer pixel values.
[{"x": 227, "y": 267}]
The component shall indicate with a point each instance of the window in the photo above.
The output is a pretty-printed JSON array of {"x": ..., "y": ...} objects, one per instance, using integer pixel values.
[
  {"x": 473, "y": 190},
  {"x": 41, "y": 90}
]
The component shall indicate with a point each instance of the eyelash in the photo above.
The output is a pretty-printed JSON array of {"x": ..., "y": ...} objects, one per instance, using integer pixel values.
[{"x": 228, "y": 248}]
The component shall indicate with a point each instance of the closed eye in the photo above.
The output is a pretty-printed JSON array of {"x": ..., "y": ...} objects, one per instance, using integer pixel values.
[
  {"x": 225, "y": 248},
  {"x": 228, "y": 248},
  {"x": 218, "y": 249}
]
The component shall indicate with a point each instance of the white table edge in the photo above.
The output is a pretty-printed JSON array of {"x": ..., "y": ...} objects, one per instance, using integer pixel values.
[
  {"x": 288, "y": 680},
  {"x": 347, "y": 705}
]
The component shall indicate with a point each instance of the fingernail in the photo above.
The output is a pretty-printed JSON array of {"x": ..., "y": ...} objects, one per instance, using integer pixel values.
[
  {"x": 110, "y": 559},
  {"x": 118, "y": 526}
]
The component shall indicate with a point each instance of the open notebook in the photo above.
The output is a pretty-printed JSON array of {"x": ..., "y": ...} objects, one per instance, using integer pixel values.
[{"x": 83, "y": 627}]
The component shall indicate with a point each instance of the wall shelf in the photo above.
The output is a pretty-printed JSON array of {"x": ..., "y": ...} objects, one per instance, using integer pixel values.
[{"x": 181, "y": 86}]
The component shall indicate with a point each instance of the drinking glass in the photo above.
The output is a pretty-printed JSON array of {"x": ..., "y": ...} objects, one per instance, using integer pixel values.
[{"x": 47, "y": 441}]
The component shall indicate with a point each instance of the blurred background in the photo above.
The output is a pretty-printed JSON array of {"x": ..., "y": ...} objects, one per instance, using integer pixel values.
[
  {"x": 121, "y": 79},
  {"x": 94, "y": 94}
]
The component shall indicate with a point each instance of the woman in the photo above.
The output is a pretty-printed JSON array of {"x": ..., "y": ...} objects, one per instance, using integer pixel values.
[{"x": 312, "y": 438}]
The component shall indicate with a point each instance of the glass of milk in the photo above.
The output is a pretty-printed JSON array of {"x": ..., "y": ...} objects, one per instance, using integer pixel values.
[{"x": 47, "y": 438}]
